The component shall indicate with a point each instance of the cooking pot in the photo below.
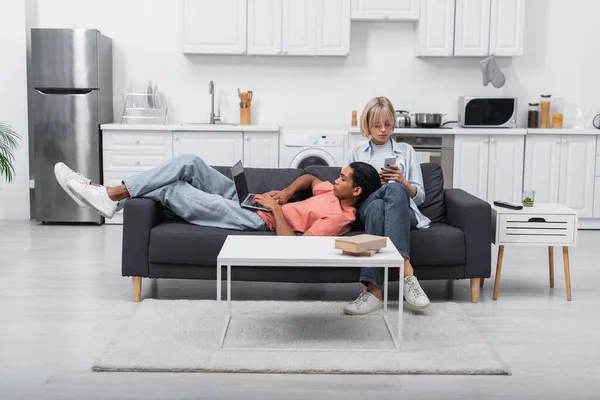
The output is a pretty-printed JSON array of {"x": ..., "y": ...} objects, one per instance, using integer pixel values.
[
  {"x": 430, "y": 120},
  {"x": 402, "y": 119}
]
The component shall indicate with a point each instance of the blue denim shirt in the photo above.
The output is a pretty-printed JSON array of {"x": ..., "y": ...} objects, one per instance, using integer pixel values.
[{"x": 407, "y": 161}]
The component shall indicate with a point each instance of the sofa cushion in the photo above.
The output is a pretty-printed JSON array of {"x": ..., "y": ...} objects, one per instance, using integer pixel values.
[
  {"x": 261, "y": 180},
  {"x": 177, "y": 242},
  {"x": 440, "y": 244},
  {"x": 433, "y": 180}
]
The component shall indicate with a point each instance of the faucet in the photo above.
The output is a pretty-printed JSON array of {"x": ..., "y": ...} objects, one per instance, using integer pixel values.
[{"x": 213, "y": 118}]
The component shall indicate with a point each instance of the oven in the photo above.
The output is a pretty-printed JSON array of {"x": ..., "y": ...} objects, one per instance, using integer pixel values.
[{"x": 434, "y": 148}]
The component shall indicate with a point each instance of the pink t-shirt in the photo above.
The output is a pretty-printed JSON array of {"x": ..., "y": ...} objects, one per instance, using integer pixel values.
[{"x": 321, "y": 215}]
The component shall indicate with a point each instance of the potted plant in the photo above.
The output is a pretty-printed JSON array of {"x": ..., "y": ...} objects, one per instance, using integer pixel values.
[{"x": 8, "y": 144}]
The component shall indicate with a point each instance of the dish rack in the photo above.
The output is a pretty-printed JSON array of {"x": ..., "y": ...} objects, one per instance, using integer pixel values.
[{"x": 144, "y": 108}]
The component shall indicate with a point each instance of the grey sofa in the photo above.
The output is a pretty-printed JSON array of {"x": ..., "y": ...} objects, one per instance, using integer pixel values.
[{"x": 157, "y": 244}]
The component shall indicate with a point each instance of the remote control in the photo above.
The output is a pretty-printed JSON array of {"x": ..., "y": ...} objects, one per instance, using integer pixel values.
[{"x": 505, "y": 204}]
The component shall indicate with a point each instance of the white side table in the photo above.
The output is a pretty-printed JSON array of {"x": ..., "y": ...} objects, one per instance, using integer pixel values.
[{"x": 541, "y": 225}]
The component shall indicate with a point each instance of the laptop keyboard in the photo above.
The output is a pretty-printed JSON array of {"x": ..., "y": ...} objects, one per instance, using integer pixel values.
[{"x": 249, "y": 199}]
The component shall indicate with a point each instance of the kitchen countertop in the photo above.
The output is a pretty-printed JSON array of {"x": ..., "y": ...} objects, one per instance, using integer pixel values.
[
  {"x": 551, "y": 131},
  {"x": 204, "y": 127},
  {"x": 453, "y": 131}
]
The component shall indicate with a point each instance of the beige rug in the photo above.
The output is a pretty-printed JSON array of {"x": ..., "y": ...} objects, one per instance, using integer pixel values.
[{"x": 181, "y": 335}]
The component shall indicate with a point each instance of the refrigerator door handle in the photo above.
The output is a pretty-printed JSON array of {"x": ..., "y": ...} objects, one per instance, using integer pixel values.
[{"x": 63, "y": 92}]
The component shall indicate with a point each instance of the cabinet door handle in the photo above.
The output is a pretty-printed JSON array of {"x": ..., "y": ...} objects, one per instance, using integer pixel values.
[
  {"x": 246, "y": 137},
  {"x": 137, "y": 162},
  {"x": 565, "y": 141},
  {"x": 176, "y": 138},
  {"x": 137, "y": 141},
  {"x": 486, "y": 141},
  {"x": 493, "y": 140},
  {"x": 558, "y": 141}
]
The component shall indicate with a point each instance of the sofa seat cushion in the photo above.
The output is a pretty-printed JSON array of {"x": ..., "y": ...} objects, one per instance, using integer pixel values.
[
  {"x": 440, "y": 244},
  {"x": 177, "y": 242}
]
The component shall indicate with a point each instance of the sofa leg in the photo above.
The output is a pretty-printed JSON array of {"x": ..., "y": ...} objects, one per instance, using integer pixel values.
[
  {"x": 481, "y": 283},
  {"x": 137, "y": 288},
  {"x": 475, "y": 290}
]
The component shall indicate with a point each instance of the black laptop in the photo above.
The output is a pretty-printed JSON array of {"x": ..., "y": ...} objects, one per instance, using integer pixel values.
[{"x": 241, "y": 187}]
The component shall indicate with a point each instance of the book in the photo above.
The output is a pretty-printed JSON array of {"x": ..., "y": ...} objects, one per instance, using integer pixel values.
[
  {"x": 360, "y": 243},
  {"x": 367, "y": 253}
]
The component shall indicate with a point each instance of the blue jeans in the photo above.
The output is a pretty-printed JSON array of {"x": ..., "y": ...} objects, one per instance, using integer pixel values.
[
  {"x": 196, "y": 192},
  {"x": 387, "y": 212}
]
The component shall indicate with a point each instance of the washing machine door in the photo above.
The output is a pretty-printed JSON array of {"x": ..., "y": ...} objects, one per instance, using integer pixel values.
[{"x": 309, "y": 157}]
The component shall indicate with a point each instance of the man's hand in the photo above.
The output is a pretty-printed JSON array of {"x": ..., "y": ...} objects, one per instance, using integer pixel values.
[
  {"x": 281, "y": 196},
  {"x": 391, "y": 173},
  {"x": 266, "y": 201}
]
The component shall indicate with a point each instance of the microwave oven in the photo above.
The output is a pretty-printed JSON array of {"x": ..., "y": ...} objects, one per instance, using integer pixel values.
[{"x": 487, "y": 112}]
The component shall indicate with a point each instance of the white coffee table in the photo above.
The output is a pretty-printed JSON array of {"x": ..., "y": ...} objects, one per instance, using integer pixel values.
[
  {"x": 304, "y": 251},
  {"x": 545, "y": 224}
]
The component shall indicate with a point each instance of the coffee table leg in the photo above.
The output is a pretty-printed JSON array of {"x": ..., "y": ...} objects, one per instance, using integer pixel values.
[
  {"x": 219, "y": 282},
  {"x": 567, "y": 272},
  {"x": 400, "y": 304},
  {"x": 385, "y": 291},
  {"x": 229, "y": 289},
  {"x": 498, "y": 271}
]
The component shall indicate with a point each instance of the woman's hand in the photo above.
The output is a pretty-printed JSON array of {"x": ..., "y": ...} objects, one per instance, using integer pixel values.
[
  {"x": 280, "y": 196},
  {"x": 391, "y": 173},
  {"x": 266, "y": 201}
]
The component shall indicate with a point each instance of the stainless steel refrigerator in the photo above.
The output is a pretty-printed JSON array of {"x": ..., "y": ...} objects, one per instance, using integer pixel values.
[{"x": 71, "y": 96}]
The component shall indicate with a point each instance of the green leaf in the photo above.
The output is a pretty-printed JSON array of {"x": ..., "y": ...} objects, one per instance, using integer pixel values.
[{"x": 9, "y": 143}]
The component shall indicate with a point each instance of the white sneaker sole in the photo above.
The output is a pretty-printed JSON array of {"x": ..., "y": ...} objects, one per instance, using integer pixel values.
[
  {"x": 63, "y": 184},
  {"x": 350, "y": 312},
  {"x": 416, "y": 306}
]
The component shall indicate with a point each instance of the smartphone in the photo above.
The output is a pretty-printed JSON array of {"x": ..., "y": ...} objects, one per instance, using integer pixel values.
[{"x": 390, "y": 161}]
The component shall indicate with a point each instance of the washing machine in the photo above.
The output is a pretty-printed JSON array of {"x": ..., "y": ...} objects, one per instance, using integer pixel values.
[{"x": 303, "y": 148}]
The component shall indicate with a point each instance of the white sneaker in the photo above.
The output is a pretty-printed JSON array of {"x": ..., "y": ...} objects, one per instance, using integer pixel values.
[
  {"x": 364, "y": 304},
  {"x": 94, "y": 197},
  {"x": 413, "y": 293},
  {"x": 63, "y": 174}
]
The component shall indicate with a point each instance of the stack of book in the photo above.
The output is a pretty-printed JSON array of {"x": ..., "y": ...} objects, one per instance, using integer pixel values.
[{"x": 361, "y": 245}]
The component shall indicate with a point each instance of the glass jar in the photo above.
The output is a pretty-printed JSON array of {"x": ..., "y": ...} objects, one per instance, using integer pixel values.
[
  {"x": 545, "y": 110},
  {"x": 528, "y": 198},
  {"x": 533, "y": 115},
  {"x": 558, "y": 105}
]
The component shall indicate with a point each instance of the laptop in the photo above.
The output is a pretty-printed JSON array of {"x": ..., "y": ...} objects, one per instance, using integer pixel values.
[{"x": 241, "y": 187}]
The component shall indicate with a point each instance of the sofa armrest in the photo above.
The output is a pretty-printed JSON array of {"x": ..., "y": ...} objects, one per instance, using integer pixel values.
[
  {"x": 473, "y": 216},
  {"x": 139, "y": 217}
]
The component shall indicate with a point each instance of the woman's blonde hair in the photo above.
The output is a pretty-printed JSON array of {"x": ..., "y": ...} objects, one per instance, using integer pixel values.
[{"x": 377, "y": 110}]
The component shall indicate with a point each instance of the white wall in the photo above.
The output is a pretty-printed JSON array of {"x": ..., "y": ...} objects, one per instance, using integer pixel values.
[
  {"x": 14, "y": 197},
  {"x": 561, "y": 56}
]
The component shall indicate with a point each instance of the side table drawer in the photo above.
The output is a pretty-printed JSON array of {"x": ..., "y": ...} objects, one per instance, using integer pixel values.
[{"x": 536, "y": 228}]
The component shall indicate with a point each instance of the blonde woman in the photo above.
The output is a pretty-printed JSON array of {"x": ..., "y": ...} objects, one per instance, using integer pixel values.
[{"x": 392, "y": 210}]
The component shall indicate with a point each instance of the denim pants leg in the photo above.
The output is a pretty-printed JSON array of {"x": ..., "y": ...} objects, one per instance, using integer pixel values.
[
  {"x": 387, "y": 212},
  {"x": 195, "y": 192}
]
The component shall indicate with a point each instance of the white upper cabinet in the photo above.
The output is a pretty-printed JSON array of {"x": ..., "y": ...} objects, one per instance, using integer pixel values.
[
  {"x": 333, "y": 27},
  {"x": 577, "y": 168},
  {"x": 264, "y": 26},
  {"x": 505, "y": 178},
  {"x": 472, "y": 28},
  {"x": 299, "y": 27},
  {"x": 387, "y": 10},
  {"x": 212, "y": 27},
  {"x": 507, "y": 28},
  {"x": 436, "y": 28}
]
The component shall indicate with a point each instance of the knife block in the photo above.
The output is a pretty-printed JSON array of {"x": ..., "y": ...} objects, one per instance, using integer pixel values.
[{"x": 245, "y": 116}]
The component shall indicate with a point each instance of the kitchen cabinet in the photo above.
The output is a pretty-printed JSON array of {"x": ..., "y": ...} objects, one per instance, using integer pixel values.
[
  {"x": 333, "y": 28},
  {"x": 212, "y": 27},
  {"x": 471, "y": 153},
  {"x": 264, "y": 26},
  {"x": 436, "y": 28},
  {"x": 561, "y": 169},
  {"x": 489, "y": 166},
  {"x": 215, "y": 148},
  {"x": 472, "y": 27},
  {"x": 299, "y": 27},
  {"x": 596, "y": 212},
  {"x": 507, "y": 27},
  {"x": 261, "y": 149},
  {"x": 385, "y": 10},
  {"x": 505, "y": 174}
]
